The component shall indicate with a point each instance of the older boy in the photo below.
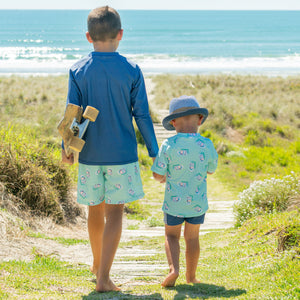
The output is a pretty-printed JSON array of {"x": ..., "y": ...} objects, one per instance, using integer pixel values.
[
  {"x": 184, "y": 161},
  {"x": 108, "y": 174}
]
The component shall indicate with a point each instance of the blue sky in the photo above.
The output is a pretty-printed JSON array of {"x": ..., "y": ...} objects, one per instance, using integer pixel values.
[{"x": 154, "y": 4}]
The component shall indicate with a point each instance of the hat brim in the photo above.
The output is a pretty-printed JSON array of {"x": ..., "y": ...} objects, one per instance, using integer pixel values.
[{"x": 194, "y": 111}]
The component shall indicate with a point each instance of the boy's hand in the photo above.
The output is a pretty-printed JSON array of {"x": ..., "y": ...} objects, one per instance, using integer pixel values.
[
  {"x": 160, "y": 178},
  {"x": 163, "y": 180},
  {"x": 68, "y": 160}
]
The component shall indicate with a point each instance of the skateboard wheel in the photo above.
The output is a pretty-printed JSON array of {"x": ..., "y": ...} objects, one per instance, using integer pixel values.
[
  {"x": 76, "y": 144},
  {"x": 91, "y": 113}
]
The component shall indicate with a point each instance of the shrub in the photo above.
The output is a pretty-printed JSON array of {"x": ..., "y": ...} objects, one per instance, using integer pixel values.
[
  {"x": 139, "y": 137},
  {"x": 238, "y": 121},
  {"x": 297, "y": 146},
  {"x": 257, "y": 138},
  {"x": 144, "y": 159},
  {"x": 135, "y": 210},
  {"x": 31, "y": 172},
  {"x": 267, "y": 196},
  {"x": 285, "y": 131},
  {"x": 154, "y": 222},
  {"x": 268, "y": 125},
  {"x": 289, "y": 237}
]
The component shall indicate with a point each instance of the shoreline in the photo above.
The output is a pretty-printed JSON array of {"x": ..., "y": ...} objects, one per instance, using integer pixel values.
[
  {"x": 151, "y": 75},
  {"x": 157, "y": 64}
]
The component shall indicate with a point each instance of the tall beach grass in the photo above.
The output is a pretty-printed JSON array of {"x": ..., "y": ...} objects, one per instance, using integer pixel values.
[{"x": 254, "y": 121}]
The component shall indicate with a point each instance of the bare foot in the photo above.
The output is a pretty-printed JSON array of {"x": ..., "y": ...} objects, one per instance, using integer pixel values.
[
  {"x": 193, "y": 280},
  {"x": 170, "y": 279},
  {"x": 94, "y": 270},
  {"x": 108, "y": 286}
]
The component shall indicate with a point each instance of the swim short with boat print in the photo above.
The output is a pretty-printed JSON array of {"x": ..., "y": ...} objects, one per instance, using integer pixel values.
[{"x": 114, "y": 184}]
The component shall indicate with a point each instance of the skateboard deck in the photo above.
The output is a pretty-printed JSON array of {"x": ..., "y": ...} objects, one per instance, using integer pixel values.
[{"x": 72, "y": 127}]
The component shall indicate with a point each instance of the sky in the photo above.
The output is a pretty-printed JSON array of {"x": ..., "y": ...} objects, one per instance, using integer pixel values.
[{"x": 155, "y": 4}]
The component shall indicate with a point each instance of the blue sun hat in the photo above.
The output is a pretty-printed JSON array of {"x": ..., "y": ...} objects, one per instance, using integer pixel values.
[{"x": 183, "y": 106}]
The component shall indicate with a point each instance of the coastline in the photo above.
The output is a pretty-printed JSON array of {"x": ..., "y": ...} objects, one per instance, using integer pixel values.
[
  {"x": 267, "y": 74},
  {"x": 270, "y": 67},
  {"x": 152, "y": 65}
]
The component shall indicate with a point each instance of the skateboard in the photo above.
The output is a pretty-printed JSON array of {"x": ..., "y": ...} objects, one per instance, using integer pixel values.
[{"x": 72, "y": 127}]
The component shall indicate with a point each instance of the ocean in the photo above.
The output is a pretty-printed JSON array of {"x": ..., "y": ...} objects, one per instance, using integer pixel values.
[{"x": 46, "y": 42}]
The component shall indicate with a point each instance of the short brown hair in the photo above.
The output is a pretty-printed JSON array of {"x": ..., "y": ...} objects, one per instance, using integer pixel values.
[{"x": 104, "y": 23}]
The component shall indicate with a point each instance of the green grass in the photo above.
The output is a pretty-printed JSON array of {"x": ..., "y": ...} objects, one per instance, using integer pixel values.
[
  {"x": 133, "y": 227},
  {"x": 154, "y": 222},
  {"x": 61, "y": 240},
  {"x": 44, "y": 277},
  {"x": 35, "y": 101},
  {"x": 234, "y": 264}
]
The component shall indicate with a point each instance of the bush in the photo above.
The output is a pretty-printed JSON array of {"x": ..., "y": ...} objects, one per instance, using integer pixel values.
[
  {"x": 289, "y": 237},
  {"x": 257, "y": 138},
  {"x": 135, "y": 210},
  {"x": 31, "y": 172},
  {"x": 267, "y": 196}
]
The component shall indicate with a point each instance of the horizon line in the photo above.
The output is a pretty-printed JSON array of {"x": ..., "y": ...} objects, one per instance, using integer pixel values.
[{"x": 154, "y": 9}]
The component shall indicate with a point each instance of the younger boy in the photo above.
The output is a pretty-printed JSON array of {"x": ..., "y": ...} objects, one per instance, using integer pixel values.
[
  {"x": 183, "y": 162},
  {"x": 108, "y": 174}
]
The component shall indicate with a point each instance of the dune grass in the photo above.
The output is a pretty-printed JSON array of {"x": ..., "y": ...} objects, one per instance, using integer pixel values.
[
  {"x": 31, "y": 171},
  {"x": 35, "y": 101},
  {"x": 254, "y": 122}
]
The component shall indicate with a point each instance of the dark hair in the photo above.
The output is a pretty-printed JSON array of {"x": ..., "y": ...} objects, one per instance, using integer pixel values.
[{"x": 104, "y": 23}]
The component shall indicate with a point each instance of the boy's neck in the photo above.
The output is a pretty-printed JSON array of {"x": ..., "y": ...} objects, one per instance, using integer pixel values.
[
  {"x": 186, "y": 131},
  {"x": 107, "y": 46}
]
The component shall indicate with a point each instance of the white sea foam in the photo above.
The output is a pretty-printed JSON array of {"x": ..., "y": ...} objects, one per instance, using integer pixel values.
[
  {"x": 281, "y": 66},
  {"x": 49, "y": 60},
  {"x": 37, "y": 53}
]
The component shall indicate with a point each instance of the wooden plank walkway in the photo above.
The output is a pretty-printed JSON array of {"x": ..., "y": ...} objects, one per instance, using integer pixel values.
[{"x": 161, "y": 133}]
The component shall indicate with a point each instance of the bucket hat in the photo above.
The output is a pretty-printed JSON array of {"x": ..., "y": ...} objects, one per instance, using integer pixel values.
[{"x": 183, "y": 106}]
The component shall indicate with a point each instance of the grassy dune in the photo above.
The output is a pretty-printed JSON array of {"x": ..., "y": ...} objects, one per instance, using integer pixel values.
[
  {"x": 253, "y": 121},
  {"x": 35, "y": 101}
]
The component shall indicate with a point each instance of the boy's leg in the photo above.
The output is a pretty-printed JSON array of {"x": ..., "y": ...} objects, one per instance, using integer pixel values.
[
  {"x": 172, "y": 237},
  {"x": 111, "y": 239},
  {"x": 191, "y": 236},
  {"x": 95, "y": 229}
]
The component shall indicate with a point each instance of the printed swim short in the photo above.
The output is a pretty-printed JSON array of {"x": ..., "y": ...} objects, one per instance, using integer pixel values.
[{"x": 115, "y": 184}]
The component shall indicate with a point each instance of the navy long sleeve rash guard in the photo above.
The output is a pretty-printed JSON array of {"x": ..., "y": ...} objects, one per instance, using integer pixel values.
[{"x": 115, "y": 86}]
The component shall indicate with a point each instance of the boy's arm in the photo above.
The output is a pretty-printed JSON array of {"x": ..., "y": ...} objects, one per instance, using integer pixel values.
[
  {"x": 140, "y": 110},
  {"x": 160, "y": 164},
  {"x": 213, "y": 163}
]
